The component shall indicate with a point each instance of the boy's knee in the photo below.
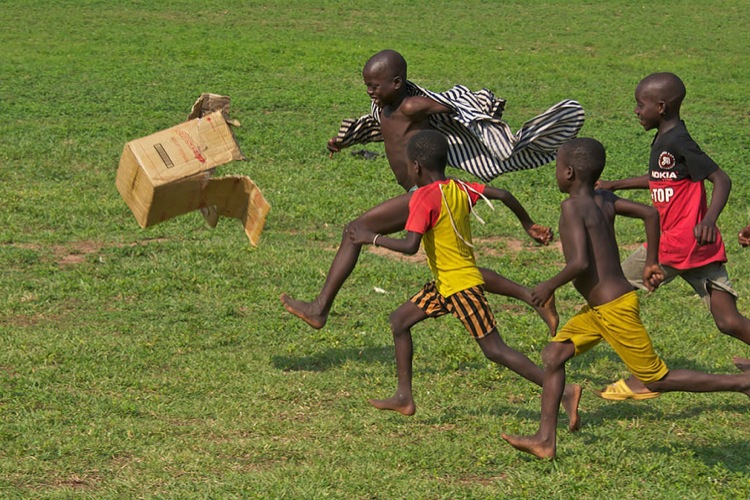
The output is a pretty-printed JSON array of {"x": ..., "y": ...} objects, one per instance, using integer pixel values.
[
  {"x": 724, "y": 324},
  {"x": 729, "y": 321},
  {"x": 494, "y": 348},
  {"x": 396, "y": 320},
  {"x": 556, "y": 354},
  {"x": 358, "y": 223},
  {"x": 350, "y": 228}
]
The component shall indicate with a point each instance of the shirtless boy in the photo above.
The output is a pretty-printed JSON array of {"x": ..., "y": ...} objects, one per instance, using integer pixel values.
[
  {"x": 612, "y": 311},
  {"x": 398, "y": 114}
]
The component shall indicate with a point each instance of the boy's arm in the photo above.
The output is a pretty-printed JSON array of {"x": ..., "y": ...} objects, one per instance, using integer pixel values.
[
  {"x": 417, "y": 107},
  {"x": 541, "y": 234},
  {"x": 705, "y": 231},
  {"x": 652, "y": 272},
  {"x": 408, "y": 245},
  {"x": 362, "y": 130},
  {"x": 640, "y": 182},
  {"x": 573, "y": 238}
]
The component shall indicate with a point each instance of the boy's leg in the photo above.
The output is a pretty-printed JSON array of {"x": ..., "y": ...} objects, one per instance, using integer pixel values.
[
  {"x": 695, "y": 381},
  {"x": 726, "y": 316},
  {"x": 498, "y": 351},
  {"x": 402, "y": 319},
  {"x": 706, "y": 281},
  {"x": 388, "y": 217},
  {"x": 543, "y": 444},
  {"x": 500, "y": 285},
  {"x": 742, "y": 363}
]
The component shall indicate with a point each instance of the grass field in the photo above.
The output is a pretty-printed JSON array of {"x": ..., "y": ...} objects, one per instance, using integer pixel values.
[{"x": 160, "y": 363}]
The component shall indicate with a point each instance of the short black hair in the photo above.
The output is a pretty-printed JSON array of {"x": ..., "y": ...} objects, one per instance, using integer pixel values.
[
  {"x": 430, "y": 149},
  {"x": 586, "y": 156},
  {"x": 665, "y": 86},
  {"x": 387, "y": 60}
]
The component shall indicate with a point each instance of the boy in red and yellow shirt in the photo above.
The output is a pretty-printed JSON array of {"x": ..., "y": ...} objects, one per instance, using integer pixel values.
[{"x": 439, "y": 213}]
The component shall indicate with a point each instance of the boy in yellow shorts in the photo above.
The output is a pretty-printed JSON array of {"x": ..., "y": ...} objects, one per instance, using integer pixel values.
[
  {"x": 612, "y": 312},
  {"x": 439, "y": 213}
]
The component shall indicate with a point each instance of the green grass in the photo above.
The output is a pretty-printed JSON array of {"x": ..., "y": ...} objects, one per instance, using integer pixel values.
[{"x": 160, "y": 363}]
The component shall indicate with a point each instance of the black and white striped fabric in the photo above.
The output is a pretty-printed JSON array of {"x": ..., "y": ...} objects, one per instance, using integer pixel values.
[{"x": 479, "y": 141}]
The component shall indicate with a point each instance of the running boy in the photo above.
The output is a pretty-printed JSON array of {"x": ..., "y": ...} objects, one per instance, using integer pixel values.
[
  {"x": 439, "y": 218},
  {"x": 691, "y": 245},
  {"x": 468, "y": 120},
  {"x": 612, "y": 311}
]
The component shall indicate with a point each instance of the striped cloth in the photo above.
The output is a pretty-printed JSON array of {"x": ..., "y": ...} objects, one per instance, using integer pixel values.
[{"x": 479, "y": 142}]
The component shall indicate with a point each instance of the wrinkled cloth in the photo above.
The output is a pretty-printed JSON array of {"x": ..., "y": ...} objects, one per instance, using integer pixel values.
[{"x": 479, "y": 142}]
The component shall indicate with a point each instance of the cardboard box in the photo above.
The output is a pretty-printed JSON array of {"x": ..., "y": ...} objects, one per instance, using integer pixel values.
[{"x": 168, "y": 173}]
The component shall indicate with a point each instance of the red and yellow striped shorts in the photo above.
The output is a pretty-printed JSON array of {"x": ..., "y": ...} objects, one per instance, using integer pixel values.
[{"x": 470, "y": 306}]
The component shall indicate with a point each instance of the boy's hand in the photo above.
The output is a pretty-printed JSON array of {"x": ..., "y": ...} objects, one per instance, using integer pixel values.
[
  {"x": 334, "y": 145},
  {"x": 705, "y": 232},
  {"x": 744, "y": 237},
  {"x": 652, "y": 276},
  {"x": 541, "y": 293},
  {"x": 601, "y": 184},
  {"x": 361, "y": 236},
  {"x": 540, "y": 234}
]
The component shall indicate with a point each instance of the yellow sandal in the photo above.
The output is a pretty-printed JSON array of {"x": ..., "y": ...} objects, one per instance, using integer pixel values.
[{"x": 619, "y": 391}]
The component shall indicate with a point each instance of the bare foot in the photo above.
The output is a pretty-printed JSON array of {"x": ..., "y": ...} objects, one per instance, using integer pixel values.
[
  {"x": 742, "y": 363},
  {"x": 537, "y": 447},
  {"x": 403, "y": 405},
  {"x": 305, "y": 311},
  {"x": 548, "y": 312},
  {"x": 571, "y": 398}
]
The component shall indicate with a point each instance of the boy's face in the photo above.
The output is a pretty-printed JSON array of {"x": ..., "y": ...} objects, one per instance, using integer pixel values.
[
  {"x": 647, "y": 107},
  {"x": 381, "y": 86}
]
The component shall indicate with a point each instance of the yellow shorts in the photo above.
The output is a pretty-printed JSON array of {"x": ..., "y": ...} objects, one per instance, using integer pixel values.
[{"x": 619, "y": 323}]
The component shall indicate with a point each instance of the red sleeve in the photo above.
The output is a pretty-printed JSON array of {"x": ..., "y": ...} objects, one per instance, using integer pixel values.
[
  {"x": 474, "y": 196},
  {"x": 424, "y": 208}
]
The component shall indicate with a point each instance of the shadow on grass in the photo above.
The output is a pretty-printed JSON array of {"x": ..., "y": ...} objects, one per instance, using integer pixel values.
[
  {"x": 724, "y": 454},
  {"x": 519, "y": 413},
  {"x": 331, "y": 358}
]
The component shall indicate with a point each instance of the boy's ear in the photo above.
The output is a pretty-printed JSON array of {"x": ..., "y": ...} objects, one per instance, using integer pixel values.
[
  {"x": 662, "y": 107},
  {"x": 570, "y": 173},
  {"x": 398, "y": 81},
  {"x": 416, "y": 168}
]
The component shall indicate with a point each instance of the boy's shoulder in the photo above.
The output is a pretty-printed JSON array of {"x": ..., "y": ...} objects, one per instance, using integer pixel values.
[
  {"x": 605, "y": 196},
  {"x": 427, "y": 191},
  {"x": 677, "y": 134},
  {"x": 578, "y": 205}
]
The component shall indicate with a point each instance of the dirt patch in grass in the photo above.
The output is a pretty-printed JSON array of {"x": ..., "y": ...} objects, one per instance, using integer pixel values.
[
  {"x": 420, "y": 256},
  {"x": 76, "y": 252}
]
